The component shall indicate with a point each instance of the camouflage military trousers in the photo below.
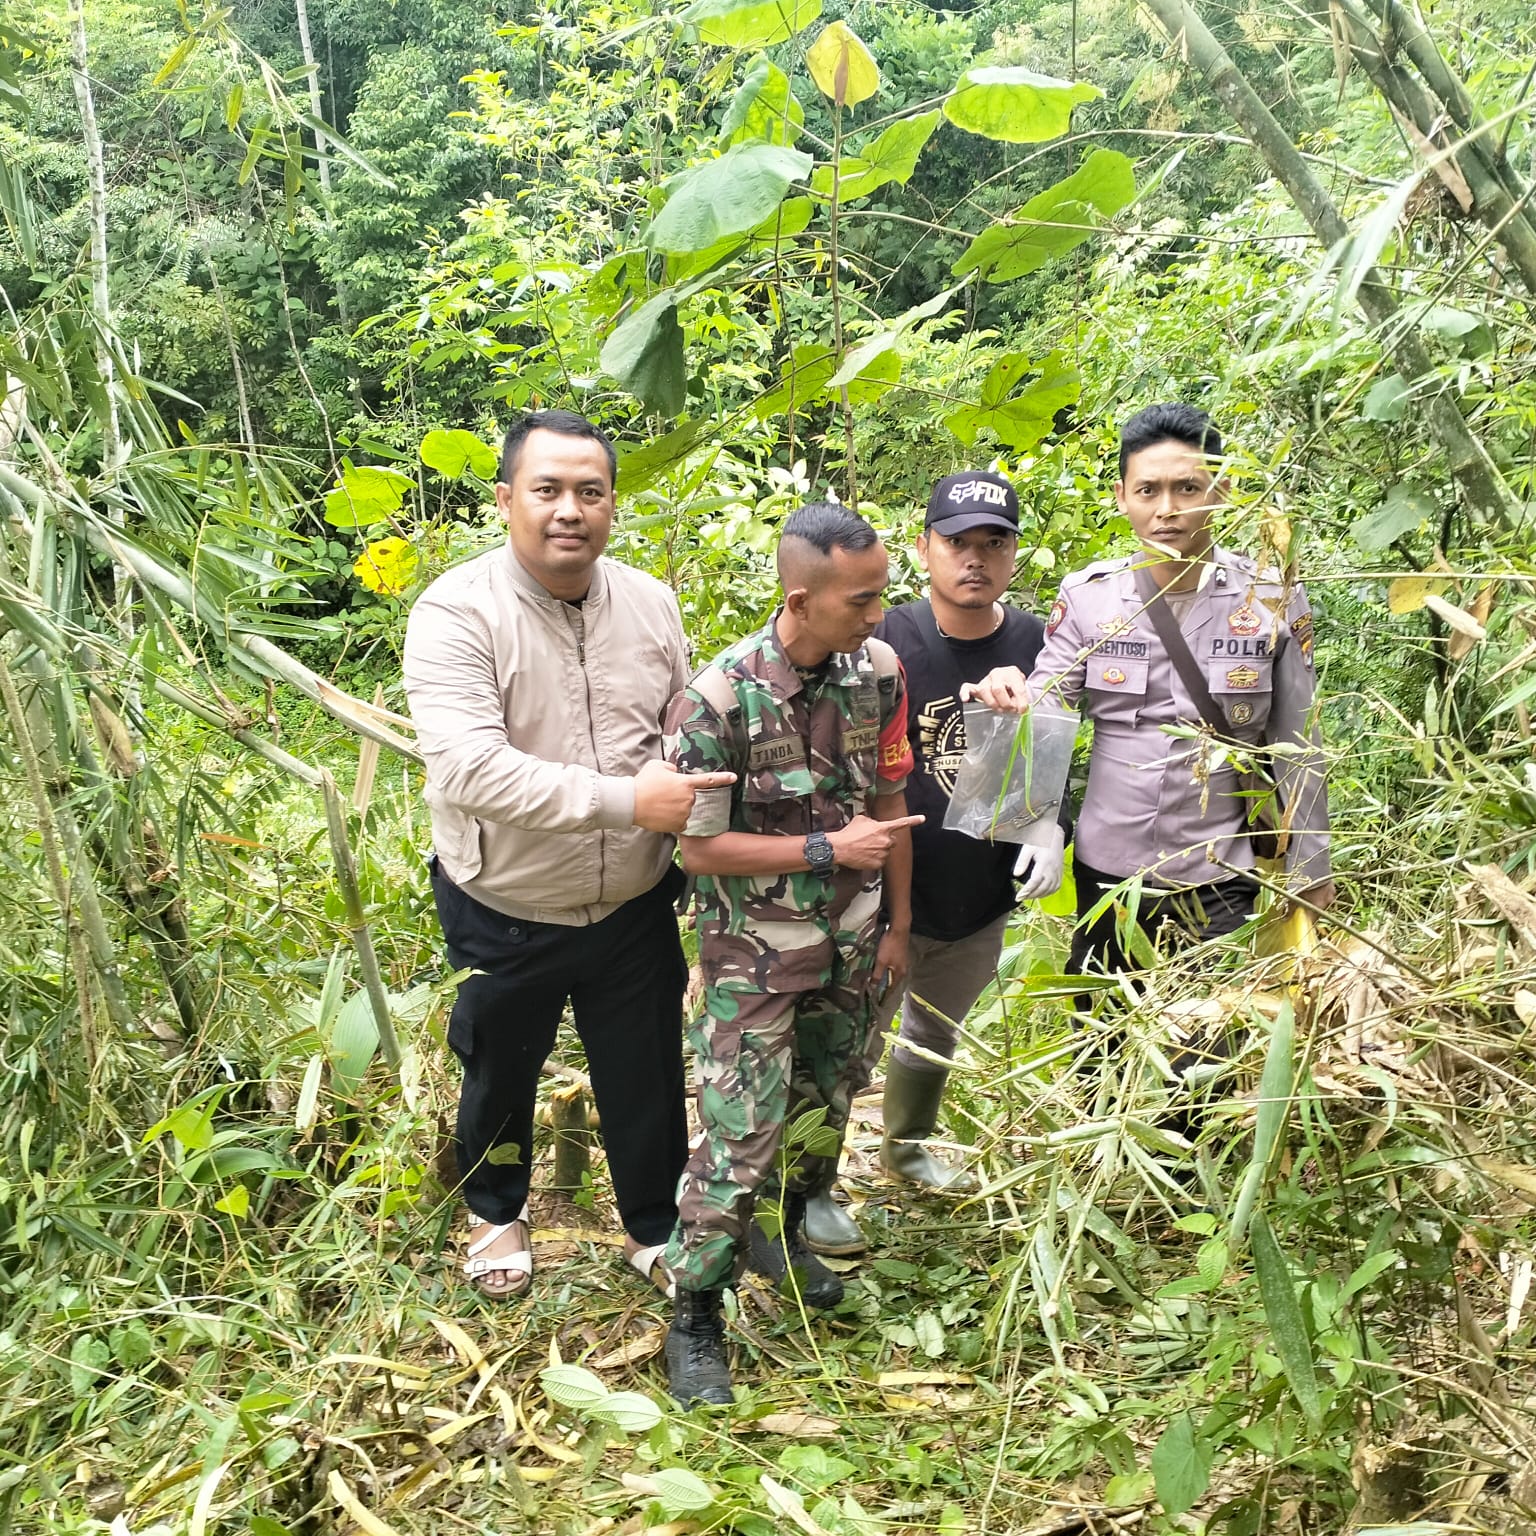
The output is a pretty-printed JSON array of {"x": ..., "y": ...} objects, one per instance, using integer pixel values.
[{"x": 760, "y": 1060}]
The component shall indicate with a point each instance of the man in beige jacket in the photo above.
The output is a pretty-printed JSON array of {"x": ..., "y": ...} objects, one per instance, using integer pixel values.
[{"x": 538, "y": 676}]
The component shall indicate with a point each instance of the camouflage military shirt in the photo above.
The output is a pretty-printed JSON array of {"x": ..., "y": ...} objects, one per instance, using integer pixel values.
[
  {"x": 787, "y": 959},
  {"x": 808, "y": 748}
]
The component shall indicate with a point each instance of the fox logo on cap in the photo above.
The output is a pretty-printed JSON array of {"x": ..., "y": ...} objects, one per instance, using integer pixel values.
[{"x": 975, "y": 499}]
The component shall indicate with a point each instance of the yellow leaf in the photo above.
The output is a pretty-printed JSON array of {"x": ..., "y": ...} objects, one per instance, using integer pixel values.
[
  {"x": 236, "y": 1203},
  {"x": 904, "y": 1402},
  {"x": 843, "y": 68},
  {"x": 1407, "y": 593},
  {"x": 387, "y": 566}
]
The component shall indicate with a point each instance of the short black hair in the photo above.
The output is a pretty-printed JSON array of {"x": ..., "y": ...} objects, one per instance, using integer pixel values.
[
  {"x": 567, "y": 422},
  {"x": 828, "y": 525},
  {"x": 1173, "y": 422}
]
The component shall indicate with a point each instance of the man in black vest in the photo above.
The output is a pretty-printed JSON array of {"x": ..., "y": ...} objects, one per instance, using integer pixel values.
[{"x": 963, "y": 890}]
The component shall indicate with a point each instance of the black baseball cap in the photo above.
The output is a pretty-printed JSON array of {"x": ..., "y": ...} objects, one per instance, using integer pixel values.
[{"x": 977, "y": 498}]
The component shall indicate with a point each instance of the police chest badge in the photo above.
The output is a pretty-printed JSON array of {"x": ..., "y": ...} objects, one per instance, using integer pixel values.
[
  {"x": 1244, "y": 621},
  {"x": 1243, "y": 677},
  {"x": 1241, "y": 712},
  {"x": 1114, "y": 675}
]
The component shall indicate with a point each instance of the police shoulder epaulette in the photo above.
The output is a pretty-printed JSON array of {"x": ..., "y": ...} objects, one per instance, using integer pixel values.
[{"x": 1097, "y": 571}]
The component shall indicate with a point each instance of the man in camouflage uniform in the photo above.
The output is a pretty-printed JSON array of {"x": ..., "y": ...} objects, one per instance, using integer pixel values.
[{"x": 789, "y": 862}]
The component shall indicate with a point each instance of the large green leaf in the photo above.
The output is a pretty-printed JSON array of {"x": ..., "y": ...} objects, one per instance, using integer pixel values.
[
  {"x": 1052, "y": 222},
  {"x": 764, "y": 109},
  {"x": 786, "y": 221},
  {"x": 640, "y": 468},
  {"x": 1402, "y": 510},
  {"x": 353, "y": 1042},
  {"x": 891, "y": 157},
  {"x": 1020, "y": 422},
  {"x": 364, "y": 494},
  {"x": 749, "y": 23},
  {"x": 1181, "y": 1466},
  {"x": 645, "y": 354},
  {"x": 1015, "y": 105},
  {"x": 726, "y": 196},
  {"x": 1287, "y": 1328},
  {"x": 452, "y": 452}
]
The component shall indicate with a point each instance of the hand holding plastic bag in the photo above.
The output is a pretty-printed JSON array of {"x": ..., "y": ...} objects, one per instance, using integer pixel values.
[{"x": 1014, "y": 771}]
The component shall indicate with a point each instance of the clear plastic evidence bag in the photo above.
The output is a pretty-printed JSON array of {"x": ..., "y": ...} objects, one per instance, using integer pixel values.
[{"x": 1014, "y": 772}]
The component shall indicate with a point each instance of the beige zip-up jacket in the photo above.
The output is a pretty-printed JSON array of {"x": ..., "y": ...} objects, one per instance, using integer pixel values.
[{"x": 533, "y": 715}]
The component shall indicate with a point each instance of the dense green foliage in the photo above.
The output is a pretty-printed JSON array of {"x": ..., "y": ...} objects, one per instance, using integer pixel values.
[{"x": 769, "y": 273}]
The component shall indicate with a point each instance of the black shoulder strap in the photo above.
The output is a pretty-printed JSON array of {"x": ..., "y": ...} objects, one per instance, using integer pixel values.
[
  {"x": 1168, "y": 631},
  {"x": 715, "y": 688}
]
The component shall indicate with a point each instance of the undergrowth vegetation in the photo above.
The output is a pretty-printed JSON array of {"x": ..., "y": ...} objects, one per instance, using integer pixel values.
[{"x": 268, "y": 297}]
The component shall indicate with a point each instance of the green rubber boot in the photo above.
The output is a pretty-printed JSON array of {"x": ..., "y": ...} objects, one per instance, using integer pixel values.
[
  {"x": 912, "y": 1099},
  {"x": 828, "y": 1228}
]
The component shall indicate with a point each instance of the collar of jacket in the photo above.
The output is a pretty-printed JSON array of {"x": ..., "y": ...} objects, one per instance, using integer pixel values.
[{"x": 596, "y": 593}]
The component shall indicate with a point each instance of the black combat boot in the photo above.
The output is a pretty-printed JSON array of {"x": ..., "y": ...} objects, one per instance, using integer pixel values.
[
  {"x": 774, "y": 1257},
  {"x": 696, "y": 1368}
]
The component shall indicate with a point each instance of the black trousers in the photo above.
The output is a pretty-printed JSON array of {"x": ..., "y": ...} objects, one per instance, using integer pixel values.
[
  {"x": 624, "y": 978},
  {"x": 1184, "y": 917},
  {"x": 1176, "y": 919}
]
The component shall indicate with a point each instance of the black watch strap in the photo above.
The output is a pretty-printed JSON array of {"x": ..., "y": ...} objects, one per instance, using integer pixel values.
[{"x": 818, "y": 853}]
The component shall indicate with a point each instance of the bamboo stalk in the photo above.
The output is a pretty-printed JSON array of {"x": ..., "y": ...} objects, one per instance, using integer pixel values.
[
  {"x": 88, "y": 941},
  {"x": 573, "y": 1140},
  {"x": 1482, "y": 487},
  {"x": 357, "y": 919}
]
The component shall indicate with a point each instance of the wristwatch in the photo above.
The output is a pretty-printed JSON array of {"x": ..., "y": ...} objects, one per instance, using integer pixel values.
[{"x": 819, "y": 854}]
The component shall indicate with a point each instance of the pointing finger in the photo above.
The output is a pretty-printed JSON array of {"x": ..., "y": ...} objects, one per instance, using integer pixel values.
[
  {"x": 711, "y": 780},
  {"x": 896, "y": 823}
]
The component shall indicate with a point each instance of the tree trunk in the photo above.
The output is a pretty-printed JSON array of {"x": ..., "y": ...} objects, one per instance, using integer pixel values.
[
  {"x": 316, "y": 100},
  {"x": 1482, "y": 488},
  {"x": 96, "y": 170},
  {"x": 1474, "y": 158}
]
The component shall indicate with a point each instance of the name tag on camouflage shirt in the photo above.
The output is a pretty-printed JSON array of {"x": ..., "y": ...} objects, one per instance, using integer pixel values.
[
  {"x": 780, "y": 752},
  {"x": 860, "y": 738}
]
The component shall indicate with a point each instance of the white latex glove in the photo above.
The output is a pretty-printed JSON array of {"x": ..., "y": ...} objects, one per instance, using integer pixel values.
[{"x": 1040, "y": 869}]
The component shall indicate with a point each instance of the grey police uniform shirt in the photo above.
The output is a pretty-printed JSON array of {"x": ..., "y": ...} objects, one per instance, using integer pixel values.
[{"x": 1156, "y": 804}]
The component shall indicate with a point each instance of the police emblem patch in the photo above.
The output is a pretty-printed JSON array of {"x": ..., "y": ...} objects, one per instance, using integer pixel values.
[
  {"x": 1058, "y": 613},
  {"x": 1242, "y": 677},
  {"x": 1241, "y": 712},
  {"x": 1113, "y": 675},
  {"x": 1302, "y": 629},
  {"x": 1243, "y": 621}
]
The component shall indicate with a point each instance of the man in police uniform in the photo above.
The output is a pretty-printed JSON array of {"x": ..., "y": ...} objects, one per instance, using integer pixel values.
[
  {"x": 812, "y": 712},
  {"x": 1161, "y": 806}
]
